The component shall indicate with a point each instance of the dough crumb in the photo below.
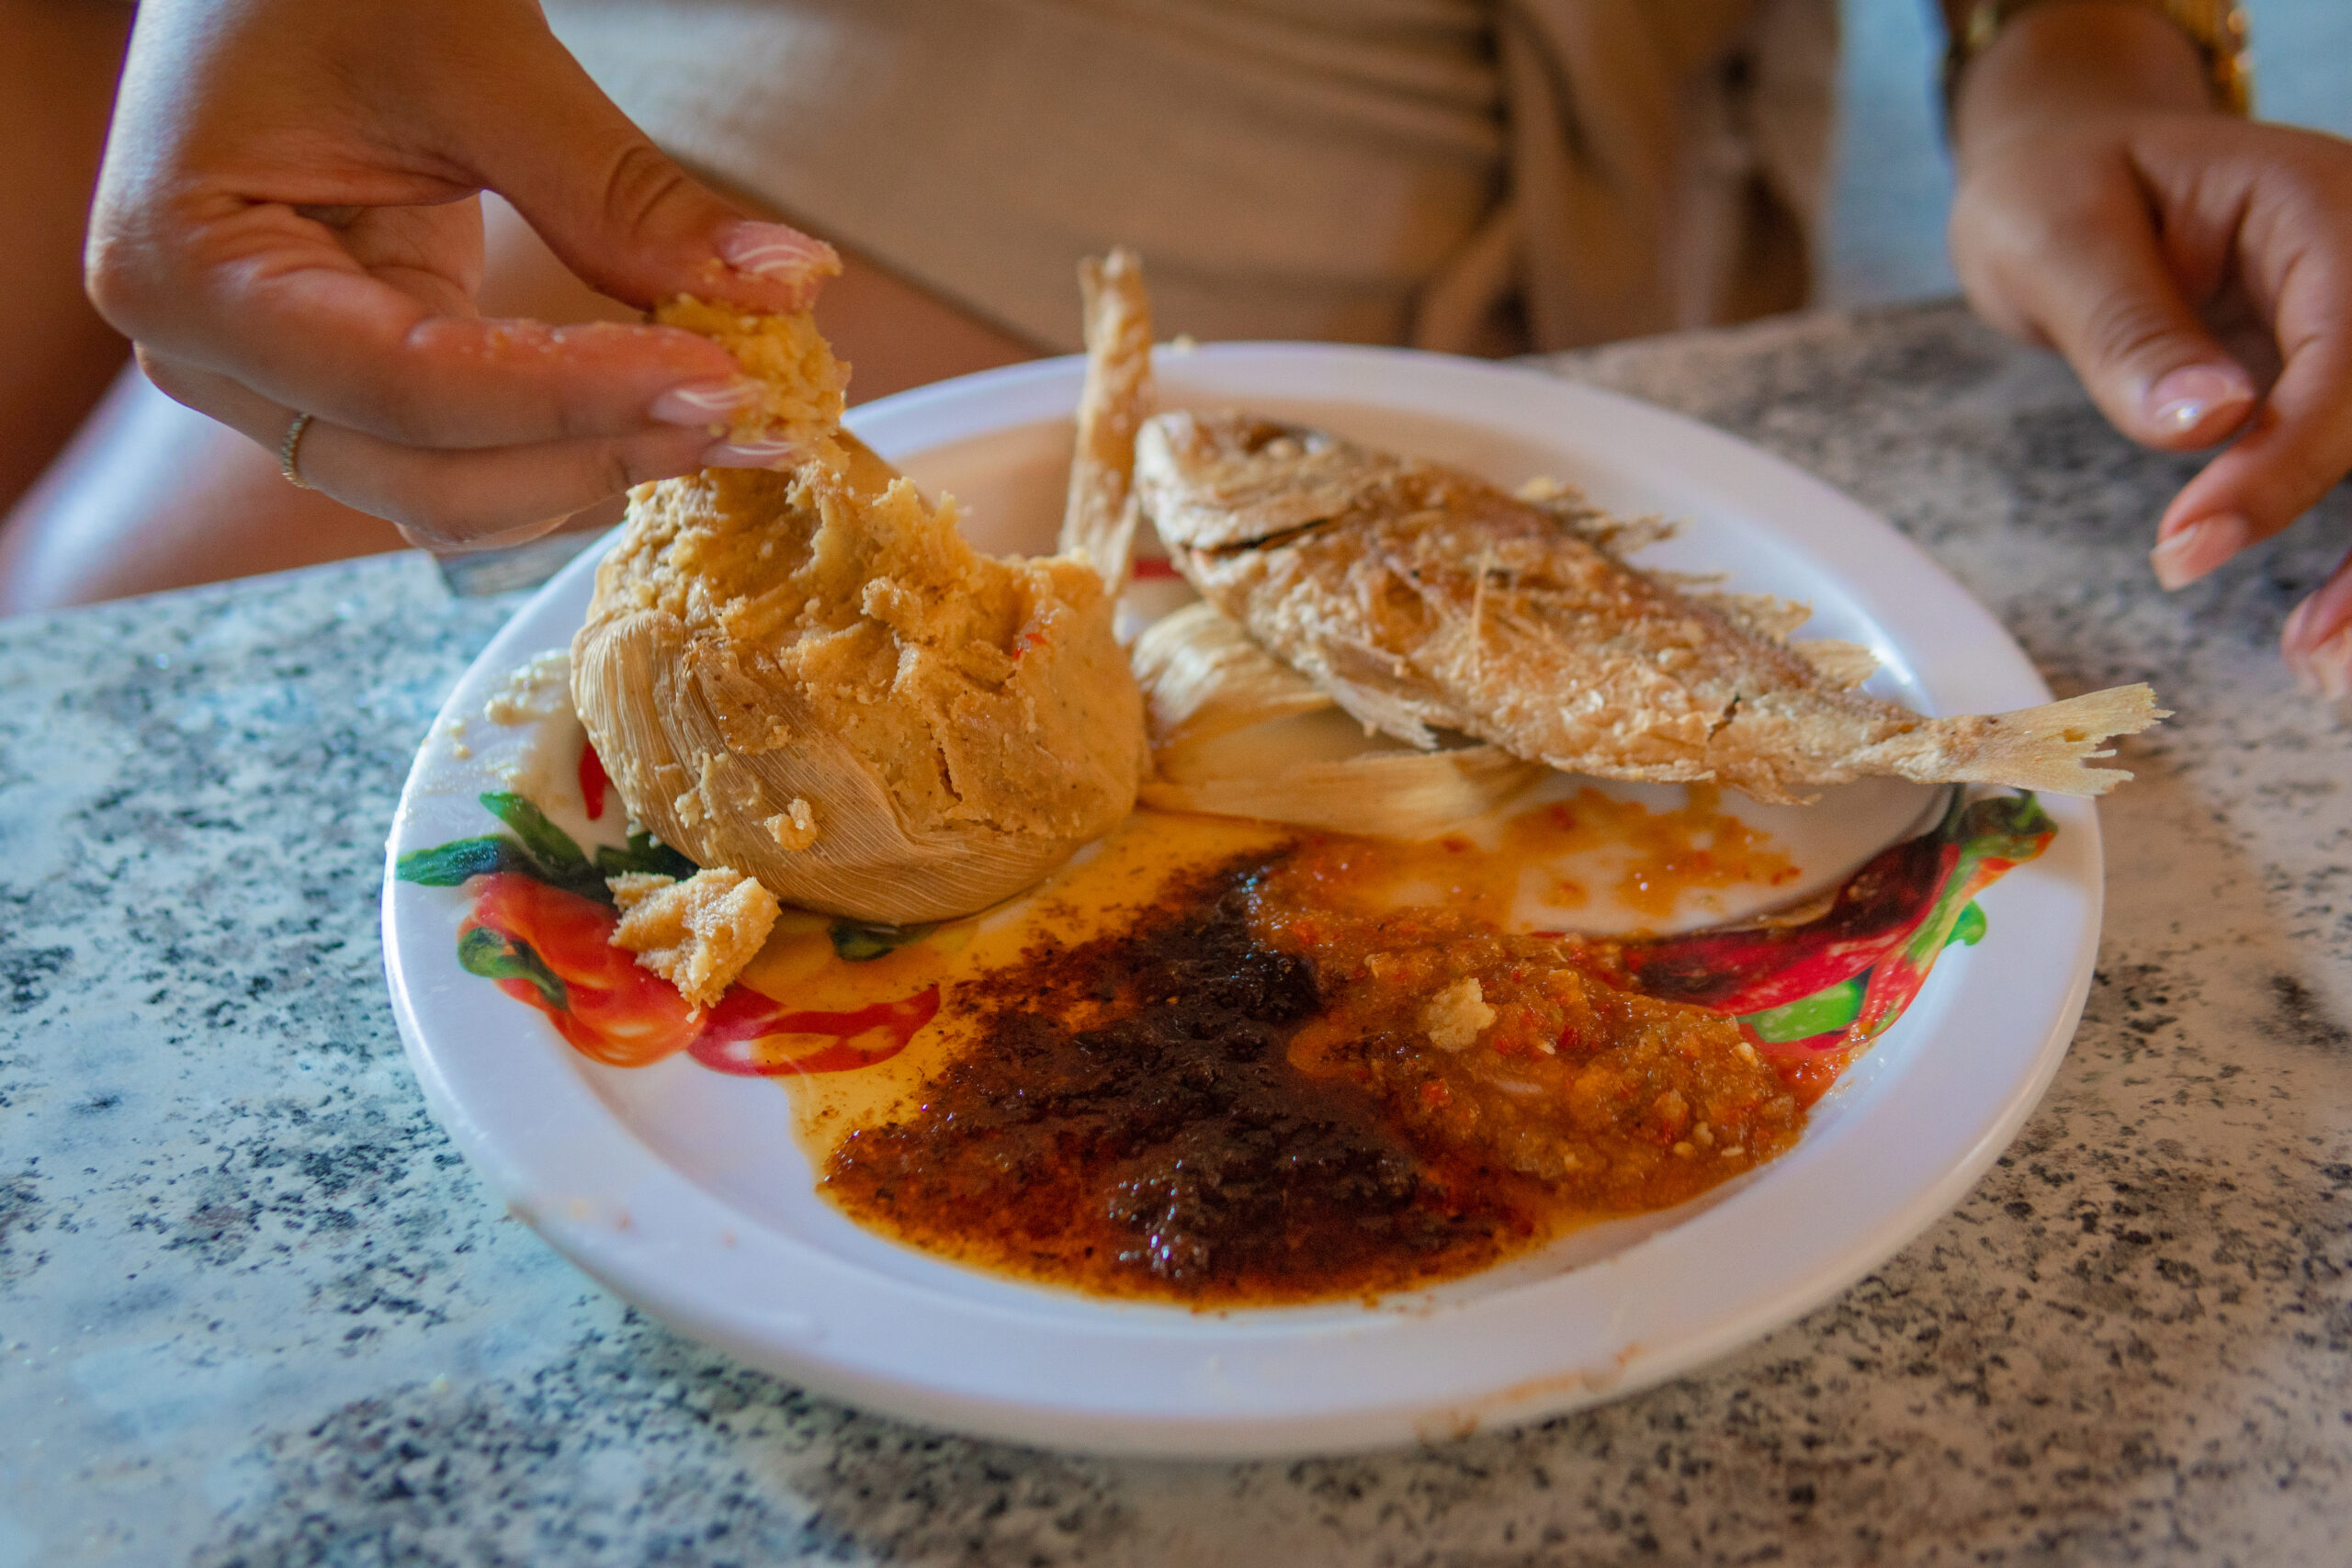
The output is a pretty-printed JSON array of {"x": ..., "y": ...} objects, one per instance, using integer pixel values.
[
  {"x": 795, "y": 826},
  {"x": 1454, "y": 1017},
  {"x": 631, "y": 888},
  {"x": 541, "y": 688},
  {"x": 697, "y": 934},
  {"x": 801, "y": 384}
]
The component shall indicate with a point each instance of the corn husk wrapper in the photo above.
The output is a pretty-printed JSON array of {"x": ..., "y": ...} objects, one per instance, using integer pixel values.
[
  {"x": 663, "y": 707},
  {"x": 927, "y": 795},
  {"x": 1236, "y": 732}
]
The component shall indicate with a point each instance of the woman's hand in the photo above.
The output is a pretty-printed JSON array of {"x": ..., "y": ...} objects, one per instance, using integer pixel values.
[
  {"x": 288, "y": 223},
  {"x": 2107, "y": 209}
]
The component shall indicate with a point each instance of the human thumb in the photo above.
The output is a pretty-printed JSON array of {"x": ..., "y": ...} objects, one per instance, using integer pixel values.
[{"x": 620, "y": 213}]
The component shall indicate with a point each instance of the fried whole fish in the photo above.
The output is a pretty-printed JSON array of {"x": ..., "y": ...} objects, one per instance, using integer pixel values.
[{"x": 1423, "y": 599}]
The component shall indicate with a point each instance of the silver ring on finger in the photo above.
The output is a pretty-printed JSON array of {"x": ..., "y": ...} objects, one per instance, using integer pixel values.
[{"x": 291, "y": 449}]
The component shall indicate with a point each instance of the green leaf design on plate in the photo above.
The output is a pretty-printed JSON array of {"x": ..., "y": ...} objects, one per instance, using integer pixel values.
[
  {"x": 494, "y": 955},
  {"x": 549, "y": 845},
  {"x": 2013, "y": 826},
  {"x": 645, "y": 853},
  {"x": 447, "y": 865},
  {"x": 1969, "y": 930},
  {"x": 540, "y": 851},
  {"x": 859, "y": 942},
  {"x": 1831, "y": 1008}
]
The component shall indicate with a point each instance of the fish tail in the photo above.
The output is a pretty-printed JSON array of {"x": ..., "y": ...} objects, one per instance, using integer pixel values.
[{"x": 2048, "y": 748}]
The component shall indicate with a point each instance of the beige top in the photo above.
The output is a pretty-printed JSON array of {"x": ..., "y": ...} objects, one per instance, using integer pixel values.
[{"x": 1480, "y": 175}]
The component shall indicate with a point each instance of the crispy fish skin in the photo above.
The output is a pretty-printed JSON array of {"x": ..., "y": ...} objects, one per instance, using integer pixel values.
[{"x": 1424, "y": 599}]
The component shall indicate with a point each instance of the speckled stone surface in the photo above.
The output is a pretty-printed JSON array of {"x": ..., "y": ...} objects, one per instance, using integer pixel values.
[{"x": 254, "y": 1310}]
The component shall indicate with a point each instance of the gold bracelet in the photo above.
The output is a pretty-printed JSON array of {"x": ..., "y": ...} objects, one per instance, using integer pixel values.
[{"x": 2216, "y": 26}]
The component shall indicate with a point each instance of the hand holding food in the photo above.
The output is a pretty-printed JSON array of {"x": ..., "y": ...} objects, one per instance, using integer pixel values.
[
  {"x": 287, "y": 226},
  {"x": 808, "y": 677}
]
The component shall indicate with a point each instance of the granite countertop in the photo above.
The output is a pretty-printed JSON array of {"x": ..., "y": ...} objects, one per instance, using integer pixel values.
[{"x": 254, "y": 1309}]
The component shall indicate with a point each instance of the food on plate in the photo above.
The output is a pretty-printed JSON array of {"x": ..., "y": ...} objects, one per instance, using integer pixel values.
[
  {"x": 802, "y": 386},
  {"x": 697, "y": 934},
  {"x": 841, "y": 698},
  {"x": 1529, "y": 1048},
  {"x": 1236, "y": 732},
  {"x": 809, "y": 676},
  {"x": 1223, "y": 1063},
  {"x": 1100, "y": 517},
  {"x": 1475, "y": 638},
  {"x": 1305, "y": 1041},
  {"x": 1424, "y": 600},
  {"x": 1266, "y": 1086}
]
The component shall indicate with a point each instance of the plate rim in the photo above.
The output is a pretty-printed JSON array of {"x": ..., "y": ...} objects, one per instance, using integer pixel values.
[{"x": 1187, "y": 1414}]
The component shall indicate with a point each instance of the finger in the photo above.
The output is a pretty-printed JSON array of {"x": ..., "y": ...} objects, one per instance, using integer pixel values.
[
  {"x": 432, "y": 253},
  {"x": 2094, "y": 283},
  {"x": 271, "y": 299},
  {"x": 2317, "y": 640},
  {"x": 457, "y": 501},
  {"x": 2297, "y": 256},
  {"x": 629, "y": 221},
  {"x": 442, "y": 498},
  {"x": 224, "y": 265}
]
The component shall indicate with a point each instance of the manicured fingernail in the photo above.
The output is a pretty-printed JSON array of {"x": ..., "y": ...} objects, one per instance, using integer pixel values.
[
  {"x": 779, "y": 254},
  {"x": 2181, "y": 558},
  {"x": 2183, "y": 400},
  {"x": 704, "y": 403},
  {"x": 750, "y": 454}
]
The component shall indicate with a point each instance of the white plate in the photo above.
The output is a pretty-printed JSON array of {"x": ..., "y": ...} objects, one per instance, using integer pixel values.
[{"x": 679, "y": 1189}]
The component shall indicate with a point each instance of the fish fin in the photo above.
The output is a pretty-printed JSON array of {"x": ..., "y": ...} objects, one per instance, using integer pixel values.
[
  {"x": 1380, "y": 690},
  {"x": 1766, "y": 615},
  {"x": 1568, "y": 505},
  {"x": 1101, "y": 514},
  {"x": 1842, "y": 665}
]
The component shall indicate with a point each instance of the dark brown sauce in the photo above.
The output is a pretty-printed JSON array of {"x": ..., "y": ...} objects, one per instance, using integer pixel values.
[{"x": 1128, "y": 1122}]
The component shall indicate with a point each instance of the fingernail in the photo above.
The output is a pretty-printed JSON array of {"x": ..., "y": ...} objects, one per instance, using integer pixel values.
[
  {"x": 750, "y": 454},
  {"x": 704, "y": 403},
  {"x": 2182, "y": 558},
  {"x": 2184, "y": 398},
  {"x": 779, "y": 254}
]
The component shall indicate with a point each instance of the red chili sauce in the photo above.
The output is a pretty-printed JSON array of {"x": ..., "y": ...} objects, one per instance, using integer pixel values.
[{"x": 1267, "y": 1089}]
